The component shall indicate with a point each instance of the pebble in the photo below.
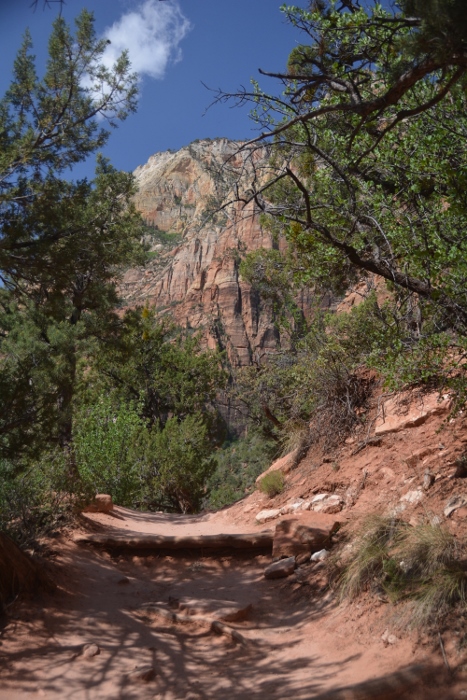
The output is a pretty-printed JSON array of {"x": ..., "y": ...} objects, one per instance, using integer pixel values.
[
  {"x": 143, "y": 674},
  {"x": 90, "y": 650},
  {"x": 280, "y": 569},
  {"x": 320, "y": 556}
]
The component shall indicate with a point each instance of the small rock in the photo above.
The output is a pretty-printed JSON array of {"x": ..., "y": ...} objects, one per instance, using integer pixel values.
[
  {"x": 143, "y": 674},
  {"x": 305, "y": 533},
  {"x": 331, "y": 503},
  {"x": 428, "y": 480},
  {"x": 280, "y": 569},
  {"x": 416, "y": 457},
  {"x": 292, "y": 507},
  {"x": 302, "y": 558},
  {"x": 412, "y": 497},
  {"x": 388, "y": 638},
  {"x": 123, "y": 581},
  {"x": 90, "y": 650},
  {"x": 224, "y": 610},
  {"x": 264, "y": 515},
  {"x": 101, "y": 503},
  {"x": 454, "y": 503},
  {"x": 320, "y": 556},
  {"x": 319, "y": 498}
]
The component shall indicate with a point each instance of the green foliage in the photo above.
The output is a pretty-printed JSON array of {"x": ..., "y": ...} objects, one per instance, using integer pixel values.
[
  {"x": 270, "y": 273},
  {"x": 161, "y": 368},
  {"x": 37, "y": 501},
  {"x": 318, "y": 379},
  {"x": 164, "y": 387},
  {"x": 367, "y": 173},
  {"x": 272, "y": 484},
  {"x": 108, "y": 441},
  {"x": 62, "y": 244},
  {"x": 238, "y": 464},
  {"x": 181, "y": 463}
]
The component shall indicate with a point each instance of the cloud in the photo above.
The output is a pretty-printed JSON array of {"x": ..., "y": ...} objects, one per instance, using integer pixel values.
[{"x": 152, "y": 34}]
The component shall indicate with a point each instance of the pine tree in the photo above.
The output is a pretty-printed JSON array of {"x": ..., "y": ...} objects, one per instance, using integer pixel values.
[{"x": 62, "y": 242}]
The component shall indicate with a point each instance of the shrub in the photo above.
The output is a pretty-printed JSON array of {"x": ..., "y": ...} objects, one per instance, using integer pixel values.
[
  {"x": 107, "y": 443},
  {"x": 368, "y": 554},
  {"x": 181, "y": 463},
  {"x": 35, "y": 501},
  {"x": 238, "y": 464},
  {"x": 272, "y": 484}
]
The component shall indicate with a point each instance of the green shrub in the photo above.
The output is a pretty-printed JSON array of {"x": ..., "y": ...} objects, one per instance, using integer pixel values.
[
  {"x": 272, "y": 484},
  {"x": 238, "y": 464},
  {"x": 181, "y": 463},
  {"x": 107, "y": 448},
  {"x": 36, "y": 501}
]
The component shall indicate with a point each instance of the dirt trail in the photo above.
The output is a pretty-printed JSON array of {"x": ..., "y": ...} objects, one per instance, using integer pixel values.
[
  {"x": 299, "y": 644},
  {"x": 294, "y": 641}
]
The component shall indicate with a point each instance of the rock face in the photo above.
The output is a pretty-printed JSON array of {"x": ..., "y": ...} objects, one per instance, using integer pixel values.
[
  {"x": 306, "y": 534},
  {"x": 407, "y": 411},
  {"x": 193, "y": 273}
]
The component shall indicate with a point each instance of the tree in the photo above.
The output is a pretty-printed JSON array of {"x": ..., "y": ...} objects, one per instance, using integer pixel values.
[
  {"x": 163, "y": 369},
  {"x": 368, "y": 142},
  {"x": 362, "y": 61},
  {"x": 62, "y": 243},
  {"x": 156, "y": 384}
]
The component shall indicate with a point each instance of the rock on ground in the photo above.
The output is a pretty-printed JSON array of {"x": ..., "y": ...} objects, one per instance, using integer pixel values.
[
  {"x": 280, "y": 569},
  {"x": 304, "y": 533},
  {"x": 101, "y": 503}
]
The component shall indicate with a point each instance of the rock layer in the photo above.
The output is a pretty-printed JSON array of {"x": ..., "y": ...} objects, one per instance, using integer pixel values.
[{"x": 196, "y": 249}]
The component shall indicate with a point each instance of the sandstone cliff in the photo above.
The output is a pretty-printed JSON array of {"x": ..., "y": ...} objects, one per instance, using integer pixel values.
[{"x": 195, "y": 254}]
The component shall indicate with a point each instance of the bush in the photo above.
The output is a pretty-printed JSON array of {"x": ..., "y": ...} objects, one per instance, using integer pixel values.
[
  {"x": 35, "y": 501},
  {"x": 366, "y": 559},
  {"x": 238, "y": 464},
  {"x": 272, "y": 484},
  {"x": 107, "y": 448},
  {"x": 181, "y": 464},
  {"x": 320, "y": 382}
]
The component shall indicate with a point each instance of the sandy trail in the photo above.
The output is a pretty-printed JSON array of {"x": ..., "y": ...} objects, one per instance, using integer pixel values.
[{"x": 299, "y": 644}]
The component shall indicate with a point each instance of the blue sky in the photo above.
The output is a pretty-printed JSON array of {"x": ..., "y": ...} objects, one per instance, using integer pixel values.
[{"x": 176, "y": 45}]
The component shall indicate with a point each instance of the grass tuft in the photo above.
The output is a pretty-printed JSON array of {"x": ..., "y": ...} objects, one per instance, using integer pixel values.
[
  {"x": 272, "y": 484},
  {"x": 421, "y": 565}
]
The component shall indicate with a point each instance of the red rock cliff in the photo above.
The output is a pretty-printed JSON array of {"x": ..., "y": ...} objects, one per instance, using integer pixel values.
[{"x": 193, "y": 273}]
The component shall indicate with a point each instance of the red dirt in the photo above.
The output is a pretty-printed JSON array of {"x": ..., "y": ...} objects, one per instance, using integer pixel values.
[{"x": 300, "y": 643}]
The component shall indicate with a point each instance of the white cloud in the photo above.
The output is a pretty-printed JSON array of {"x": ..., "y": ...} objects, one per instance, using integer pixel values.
[{"x": 152, "y": 34}]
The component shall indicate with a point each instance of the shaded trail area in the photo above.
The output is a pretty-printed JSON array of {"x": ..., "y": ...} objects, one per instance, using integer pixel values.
[{"x": 130, "y": 624}]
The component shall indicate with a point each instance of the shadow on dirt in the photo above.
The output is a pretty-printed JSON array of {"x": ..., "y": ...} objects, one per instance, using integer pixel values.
[{"x": 99, "y": 602}]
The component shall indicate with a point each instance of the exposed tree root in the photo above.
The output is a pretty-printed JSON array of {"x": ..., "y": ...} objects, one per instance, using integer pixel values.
[
  {"x": 209, "y": 622},
  {"x": 256, "y": 540}
]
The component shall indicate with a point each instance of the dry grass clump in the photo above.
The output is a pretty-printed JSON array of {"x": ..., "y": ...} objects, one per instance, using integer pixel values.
[
  {"x": 422, "y": 566},
  {"x": 272, "y": 484},
  {"x": 366, "y": 556}
]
